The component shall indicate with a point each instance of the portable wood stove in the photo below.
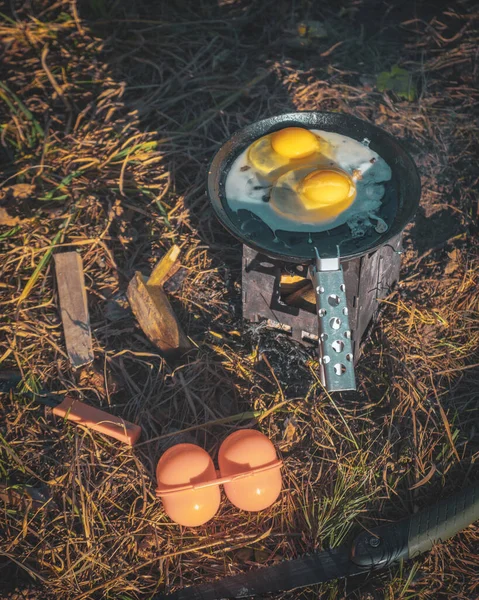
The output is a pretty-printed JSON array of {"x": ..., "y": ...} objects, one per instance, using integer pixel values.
[
  {"x": 321, "y": 287},
  {"x": 282, "y": 294}
]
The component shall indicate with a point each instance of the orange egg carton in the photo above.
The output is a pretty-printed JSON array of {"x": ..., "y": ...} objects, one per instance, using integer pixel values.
[{"x": 189, "y": 485}]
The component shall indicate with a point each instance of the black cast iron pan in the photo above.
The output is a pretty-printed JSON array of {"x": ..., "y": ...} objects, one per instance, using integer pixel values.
[{"x": 398, "y": 205}]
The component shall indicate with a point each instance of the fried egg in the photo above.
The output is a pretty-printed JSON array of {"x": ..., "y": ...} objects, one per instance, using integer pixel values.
[
  {"x": 303, "y": 180},
  {"x": 272, "y": 154}
]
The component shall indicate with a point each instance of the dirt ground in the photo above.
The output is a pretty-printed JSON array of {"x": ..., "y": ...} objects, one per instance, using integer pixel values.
[{"x": 110, "y": 113}]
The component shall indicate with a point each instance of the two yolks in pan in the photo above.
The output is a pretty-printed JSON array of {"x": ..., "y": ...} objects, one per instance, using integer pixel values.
[
  {"x": 324, "y": 192},
  {"x": 300, "y": 179}
]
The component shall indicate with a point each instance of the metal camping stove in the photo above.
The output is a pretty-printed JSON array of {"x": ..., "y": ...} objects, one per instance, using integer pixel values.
[
  {"x": 367, "y": 280},
  {"x": 335, "y": 279}
]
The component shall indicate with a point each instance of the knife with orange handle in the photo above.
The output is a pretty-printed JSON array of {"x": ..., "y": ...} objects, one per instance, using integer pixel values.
[{"x": 78, "y": 412}]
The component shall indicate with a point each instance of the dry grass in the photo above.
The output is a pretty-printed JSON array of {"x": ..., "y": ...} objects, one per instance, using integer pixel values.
[{"x": 109, "y": 118}]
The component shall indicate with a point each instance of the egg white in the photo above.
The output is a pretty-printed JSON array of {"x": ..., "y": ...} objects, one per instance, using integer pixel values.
[{"x": 247, "y": 189}]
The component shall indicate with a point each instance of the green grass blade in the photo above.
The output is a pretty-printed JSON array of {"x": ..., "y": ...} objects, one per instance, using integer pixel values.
[
  {"x": 28, "y": 114},
  {"x": 10, "y": 232},
  {"x": 43, "y": 262}
]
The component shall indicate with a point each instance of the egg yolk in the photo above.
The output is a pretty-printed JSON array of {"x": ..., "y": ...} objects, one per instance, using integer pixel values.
[
  {"x": 294, "y": 142},
  {"x": 328, "y": 190}
]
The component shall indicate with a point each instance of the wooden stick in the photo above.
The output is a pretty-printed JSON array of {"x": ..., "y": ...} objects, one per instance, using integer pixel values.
[
  {"x": 305, "y": 293},
  {"x": 163, "y": 268},
  {"x": 74, "y": 308}
]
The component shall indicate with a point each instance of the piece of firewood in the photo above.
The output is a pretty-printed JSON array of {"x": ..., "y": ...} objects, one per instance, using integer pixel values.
[
  {"x": 164, "y": 268},
  {"x": 304, "y": 294},
  {"x": 153, "y": 310},
  {"x": 74, "y": 307},
  {"x": 290, "y": 283}
]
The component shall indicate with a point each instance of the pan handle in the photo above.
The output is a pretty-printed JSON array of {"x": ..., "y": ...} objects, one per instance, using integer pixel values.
[{"x": 335, "y": 343}]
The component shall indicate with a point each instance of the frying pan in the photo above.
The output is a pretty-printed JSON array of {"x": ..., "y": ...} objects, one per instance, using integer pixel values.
[
  {"x": 398, "y": 206},
  {"x": 327, "y": 249}
]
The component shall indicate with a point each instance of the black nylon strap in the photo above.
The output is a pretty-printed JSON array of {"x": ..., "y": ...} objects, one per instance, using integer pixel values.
[{"x": 288, "y": 575}]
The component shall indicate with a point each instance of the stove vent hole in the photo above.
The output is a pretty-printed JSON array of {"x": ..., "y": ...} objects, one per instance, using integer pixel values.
[
  {"x": 334, "y": 300},
  {"x": 339, "y": 369},
  {"x": 335, "y": 323},
  {"x": 337, "y": 346}
]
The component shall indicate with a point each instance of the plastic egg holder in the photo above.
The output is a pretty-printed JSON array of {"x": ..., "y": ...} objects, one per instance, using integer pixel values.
[{"x": 189, "y": 485}]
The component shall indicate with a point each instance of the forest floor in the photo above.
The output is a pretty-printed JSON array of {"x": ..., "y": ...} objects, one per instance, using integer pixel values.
[{"x": 110, "y": 114}]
